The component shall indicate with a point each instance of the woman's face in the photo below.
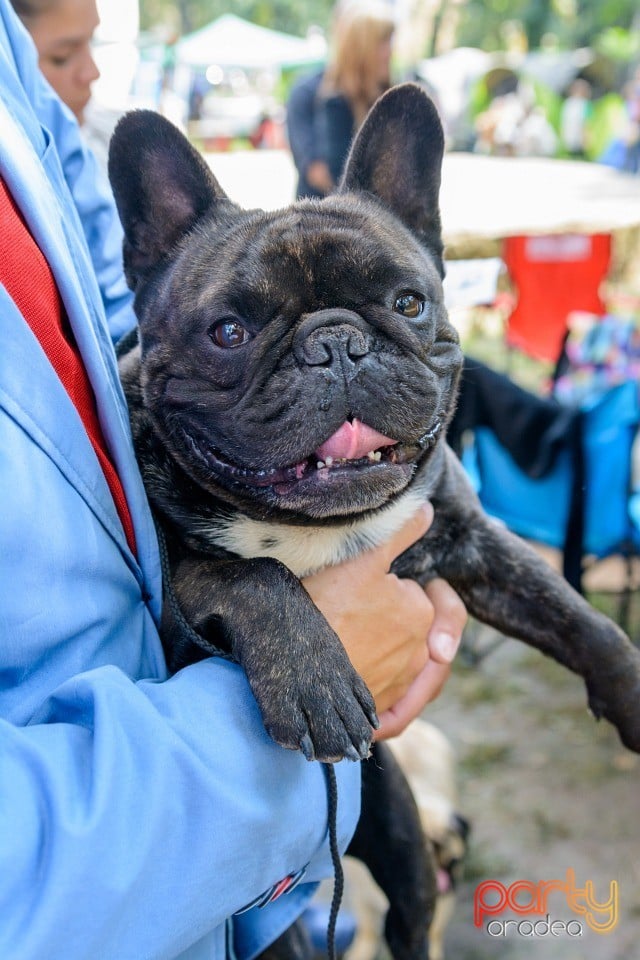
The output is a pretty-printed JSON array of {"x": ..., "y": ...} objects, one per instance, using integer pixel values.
[{"x": 63, "y": 36}]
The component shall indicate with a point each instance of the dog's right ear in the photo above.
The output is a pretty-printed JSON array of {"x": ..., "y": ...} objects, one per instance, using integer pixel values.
[
  {"x": 162, "y": 187},
  {"x": 397, "y": 156}
]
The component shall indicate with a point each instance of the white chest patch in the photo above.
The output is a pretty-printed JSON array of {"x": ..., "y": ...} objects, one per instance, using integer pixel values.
[{"x": 305, "y": 550}]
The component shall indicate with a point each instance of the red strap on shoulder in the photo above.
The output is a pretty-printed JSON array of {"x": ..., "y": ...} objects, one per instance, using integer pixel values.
[{"x": 29, "y": 281}]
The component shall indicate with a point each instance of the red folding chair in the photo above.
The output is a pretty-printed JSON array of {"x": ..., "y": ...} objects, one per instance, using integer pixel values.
[{"x": 553, "y": 275}]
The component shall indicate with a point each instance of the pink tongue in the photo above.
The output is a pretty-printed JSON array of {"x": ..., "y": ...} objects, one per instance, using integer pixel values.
[
  {"x": 443, "y": 881},
  {"x": 352, "y": 441}
]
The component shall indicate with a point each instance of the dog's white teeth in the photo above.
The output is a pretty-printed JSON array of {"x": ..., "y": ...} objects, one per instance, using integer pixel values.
[
  {"x": 319, "y": 465},
  {"x": 374, "y": 455},
  {"x": 371, "y": 455},
  {"x": 329, "y": 461}
]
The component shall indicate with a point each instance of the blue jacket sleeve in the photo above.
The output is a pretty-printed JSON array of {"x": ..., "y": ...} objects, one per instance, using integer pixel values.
[
  {"x": 89, "y": 188},
  {"x": 137, "y": 817}
]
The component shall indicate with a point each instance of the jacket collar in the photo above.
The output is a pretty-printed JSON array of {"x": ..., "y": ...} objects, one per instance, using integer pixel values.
[{"x": 31, "y": 170}]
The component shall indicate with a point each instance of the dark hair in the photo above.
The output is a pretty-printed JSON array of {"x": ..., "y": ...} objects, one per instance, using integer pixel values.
[{"x": 28, "y": 9}]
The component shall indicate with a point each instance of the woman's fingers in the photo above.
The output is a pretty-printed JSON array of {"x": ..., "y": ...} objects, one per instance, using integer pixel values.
[
  {"x": 443, "y": 640},
  {"x": 449, "y": 621}
]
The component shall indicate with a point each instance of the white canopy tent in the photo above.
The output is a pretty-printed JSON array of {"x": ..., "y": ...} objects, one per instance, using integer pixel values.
[{"x": 230, "y": 41}]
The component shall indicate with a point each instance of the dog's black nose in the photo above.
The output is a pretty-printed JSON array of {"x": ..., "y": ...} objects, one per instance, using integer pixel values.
[{"x": 328, "y": 338}]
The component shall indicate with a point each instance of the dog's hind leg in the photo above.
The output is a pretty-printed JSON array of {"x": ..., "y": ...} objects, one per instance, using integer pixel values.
[{"x": 390, "y": 841}]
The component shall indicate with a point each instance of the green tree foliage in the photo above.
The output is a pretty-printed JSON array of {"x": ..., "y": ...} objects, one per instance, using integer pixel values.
[
  {"x": 290, "y": 16},
  {"x": 572, "y": 23},
  {"x": 613, "y": 26}
]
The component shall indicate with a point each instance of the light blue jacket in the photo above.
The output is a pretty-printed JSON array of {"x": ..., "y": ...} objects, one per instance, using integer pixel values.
[{"x": 137, "y": 813}]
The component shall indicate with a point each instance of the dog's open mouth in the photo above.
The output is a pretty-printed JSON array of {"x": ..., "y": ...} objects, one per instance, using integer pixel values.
[{"x": 353, "y": 447}]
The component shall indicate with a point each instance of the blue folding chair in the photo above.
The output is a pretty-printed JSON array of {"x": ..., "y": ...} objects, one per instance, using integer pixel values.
[{"x": 584, "y": 504}]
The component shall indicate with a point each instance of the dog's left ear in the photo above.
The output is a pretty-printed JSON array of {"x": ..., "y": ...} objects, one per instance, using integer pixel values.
[
  {"x": 162, "y": 187},
  {"x": 397, "y": 156}
]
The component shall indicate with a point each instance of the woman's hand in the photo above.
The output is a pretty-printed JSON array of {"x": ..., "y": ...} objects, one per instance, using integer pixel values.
[
  {"x": 400, "y": 638},
  {"x": 443, "y": 640}
]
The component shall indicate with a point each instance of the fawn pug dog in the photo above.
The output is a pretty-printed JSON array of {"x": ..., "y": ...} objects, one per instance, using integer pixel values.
[{"x": 289, "y": 399}]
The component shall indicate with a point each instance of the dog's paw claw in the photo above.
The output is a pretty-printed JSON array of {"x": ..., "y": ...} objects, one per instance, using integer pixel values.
[
  {"x": 328, "y": 713},
  {"x": 368, "y": 707},
  {"x": 595, "y": 709},
  {"x": 621, "y": 710}
]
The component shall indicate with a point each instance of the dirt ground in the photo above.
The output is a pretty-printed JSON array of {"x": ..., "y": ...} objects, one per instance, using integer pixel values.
[{"x": 546, "y": 789}]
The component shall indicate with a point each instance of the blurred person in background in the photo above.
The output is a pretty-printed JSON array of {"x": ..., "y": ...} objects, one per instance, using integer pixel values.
[
  {"x": 515, "y": 125},
  {"x": 326, "y": 108},
  {"x": 62, "y": 31},
  {"x": 632, "y": 129},
  {"x": 623, "y": 151},
  {"x": 574, "y": 119}
]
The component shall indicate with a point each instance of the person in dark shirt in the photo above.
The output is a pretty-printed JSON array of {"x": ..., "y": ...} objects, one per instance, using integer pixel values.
[{"x": 326, "y": 108}]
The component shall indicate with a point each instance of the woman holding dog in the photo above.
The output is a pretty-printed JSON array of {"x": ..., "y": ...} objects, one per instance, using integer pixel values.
[
  {"x": 139, "y": 813},
  {"x": 325, "y": 109}
]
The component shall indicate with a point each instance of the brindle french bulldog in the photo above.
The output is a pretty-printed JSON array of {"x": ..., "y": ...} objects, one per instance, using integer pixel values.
[{"x": 289, "y": 402}]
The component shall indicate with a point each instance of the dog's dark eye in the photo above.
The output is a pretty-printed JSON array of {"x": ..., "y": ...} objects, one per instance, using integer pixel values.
[
  {"x": 409, "y": 305},
  {"x": 229, "y": 334}
]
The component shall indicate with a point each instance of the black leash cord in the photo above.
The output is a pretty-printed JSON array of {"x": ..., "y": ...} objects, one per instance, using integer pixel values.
[
  {"x": 338, "y": 883},
  {"x": 183, "y": 625}
]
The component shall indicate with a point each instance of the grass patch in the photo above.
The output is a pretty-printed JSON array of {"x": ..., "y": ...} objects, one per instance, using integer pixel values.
[
  {"x": 481, "y": 688},
  {"x": 481, "y": 863},
  {"x": 549, "y": 830},
  {"x": 483, "y": 755}
]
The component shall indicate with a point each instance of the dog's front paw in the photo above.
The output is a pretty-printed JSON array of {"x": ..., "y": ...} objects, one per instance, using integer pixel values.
[
  {"x": 309, "y": 694},
  {"x": 326, "y": 711}
]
